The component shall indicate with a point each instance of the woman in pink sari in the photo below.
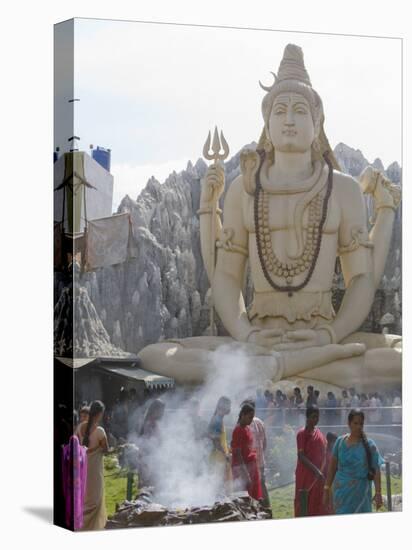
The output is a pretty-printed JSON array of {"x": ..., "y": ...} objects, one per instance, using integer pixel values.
[
  {"x": 74, "y": 466},
  {"x": 94, "y": 438}
]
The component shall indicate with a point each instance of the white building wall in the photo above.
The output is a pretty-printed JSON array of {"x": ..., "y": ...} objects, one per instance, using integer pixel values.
[{"x": 99, "y": 199}]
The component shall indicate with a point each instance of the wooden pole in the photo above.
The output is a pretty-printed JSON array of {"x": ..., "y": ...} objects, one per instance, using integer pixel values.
[
  {"x": 388, "y": 484},
  {"x": 129, "y": 487}
]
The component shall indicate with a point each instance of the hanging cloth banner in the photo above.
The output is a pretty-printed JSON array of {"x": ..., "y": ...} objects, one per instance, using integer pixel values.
[
  {"x": 132, "y": 248},
  {"x": 107, "y": 241}
]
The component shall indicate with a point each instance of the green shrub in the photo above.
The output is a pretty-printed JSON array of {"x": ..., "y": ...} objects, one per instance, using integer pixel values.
[{"x": 281, "y": 458}]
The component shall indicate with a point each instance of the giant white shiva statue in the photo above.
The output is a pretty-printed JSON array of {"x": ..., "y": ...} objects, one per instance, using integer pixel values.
[{"x": 289, "y": 214}]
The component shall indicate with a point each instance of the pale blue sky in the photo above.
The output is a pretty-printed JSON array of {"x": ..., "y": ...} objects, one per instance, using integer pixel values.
[{"x": 151, "y": 92}]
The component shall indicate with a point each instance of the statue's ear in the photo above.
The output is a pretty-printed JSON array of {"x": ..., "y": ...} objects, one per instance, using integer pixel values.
[
  {"x": 266, "y": 144},
  {"x": 319, "y": 122},
  {"x": 249, "y": 165},
  {"x": 317, "y": 143},
  {"x": 316, "y": 128}
]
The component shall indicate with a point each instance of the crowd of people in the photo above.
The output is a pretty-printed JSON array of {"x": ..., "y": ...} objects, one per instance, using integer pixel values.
[
  {"x": 277, "y": 408},
  {"x": 348, "y": 464}
]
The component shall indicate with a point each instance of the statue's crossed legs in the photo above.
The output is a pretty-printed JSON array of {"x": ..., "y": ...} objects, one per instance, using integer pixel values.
[{"x": 367, "y": 361}]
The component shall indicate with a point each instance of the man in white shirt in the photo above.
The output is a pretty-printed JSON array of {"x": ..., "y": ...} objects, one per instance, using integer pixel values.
[
  {"x": 259, "y": 442},
  {"x": 354, "y": 398},
  {"x": 345, "y": 405},
  {"x": 397, "y": 412},
  {"x": 373, "y": 411}
]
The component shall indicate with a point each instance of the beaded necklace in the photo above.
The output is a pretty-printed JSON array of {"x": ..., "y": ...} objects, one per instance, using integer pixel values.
[{"x": 269, "y": 262}]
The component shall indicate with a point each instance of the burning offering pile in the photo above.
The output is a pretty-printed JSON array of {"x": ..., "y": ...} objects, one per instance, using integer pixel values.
[{"x": 143, "y": 512}]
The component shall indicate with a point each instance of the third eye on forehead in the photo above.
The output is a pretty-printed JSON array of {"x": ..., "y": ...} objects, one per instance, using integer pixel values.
[{"x": 293, "y": 99}]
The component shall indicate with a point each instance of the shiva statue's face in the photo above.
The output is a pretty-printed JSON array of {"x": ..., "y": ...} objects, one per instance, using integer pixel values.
[{"x": 291, "y": 128}]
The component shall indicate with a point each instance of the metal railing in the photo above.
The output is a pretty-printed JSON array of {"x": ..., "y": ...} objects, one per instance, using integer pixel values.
[{"x": 330, "y": 417}]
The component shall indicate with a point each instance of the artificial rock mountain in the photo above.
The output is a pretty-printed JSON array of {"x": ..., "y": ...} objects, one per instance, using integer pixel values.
[{"x": 163, "y": 292}]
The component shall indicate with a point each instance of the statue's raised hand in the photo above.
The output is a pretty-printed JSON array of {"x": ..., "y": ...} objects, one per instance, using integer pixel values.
[
  {"x": 385, "y": 193},
  {"x": 213, "y": 184}
]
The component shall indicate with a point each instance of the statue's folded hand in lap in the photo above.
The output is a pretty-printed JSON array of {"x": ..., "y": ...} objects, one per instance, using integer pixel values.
[{"x": 290, "y": 214}]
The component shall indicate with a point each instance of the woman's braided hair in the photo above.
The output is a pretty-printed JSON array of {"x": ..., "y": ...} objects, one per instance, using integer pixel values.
[
  {"x": 365, "y": 442},
  {"x": 95, "y": 409}
]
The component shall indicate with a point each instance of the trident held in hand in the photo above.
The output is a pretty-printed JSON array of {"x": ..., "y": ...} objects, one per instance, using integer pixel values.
[
  {"x": 216, "y": 156},
  {"x": 216, "y": 146}
]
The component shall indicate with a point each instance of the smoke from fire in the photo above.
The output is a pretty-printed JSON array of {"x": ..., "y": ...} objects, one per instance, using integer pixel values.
[{"x": 178, "y": 460}]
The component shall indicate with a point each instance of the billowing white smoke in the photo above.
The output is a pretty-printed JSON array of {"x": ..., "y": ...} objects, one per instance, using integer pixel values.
[
  {"x": 179, "y": 465},
  {"x": 179, "y": 460}
]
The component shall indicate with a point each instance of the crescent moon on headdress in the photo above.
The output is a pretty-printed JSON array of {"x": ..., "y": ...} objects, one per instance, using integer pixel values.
[{"x": 268, "y": 88}]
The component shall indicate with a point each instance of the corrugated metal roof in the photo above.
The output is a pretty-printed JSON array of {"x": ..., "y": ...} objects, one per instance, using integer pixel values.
[
  {"x": 75, "y": 363},
  {"x": 150, "y": 379},
  {"x": 127, "y": 367}
]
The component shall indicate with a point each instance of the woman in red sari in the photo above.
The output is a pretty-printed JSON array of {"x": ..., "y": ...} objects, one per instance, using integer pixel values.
[
  {"x": 310, "y": 469},
  {"x": 245, "y": 469}
]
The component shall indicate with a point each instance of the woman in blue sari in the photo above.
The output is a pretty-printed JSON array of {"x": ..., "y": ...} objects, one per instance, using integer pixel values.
[{"x": 354, "y": 465}]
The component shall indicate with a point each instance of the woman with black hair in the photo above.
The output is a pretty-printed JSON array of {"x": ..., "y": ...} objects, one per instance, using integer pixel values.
[
  {"x": 93, "y": 437},
  {"x": 245, "y": 469},
  {"x": 311, "y": 463},
  {"x": 355, "y": 463}
]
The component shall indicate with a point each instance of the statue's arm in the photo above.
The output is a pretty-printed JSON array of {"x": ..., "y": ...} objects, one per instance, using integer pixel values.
[
  {"x": 381, "y": 236},
  {"x": 386, "y": 197},
  {"x": 229, "y": 274},
  {"x": 355, "y": 251},
  {"x": 355, "y": 305}
]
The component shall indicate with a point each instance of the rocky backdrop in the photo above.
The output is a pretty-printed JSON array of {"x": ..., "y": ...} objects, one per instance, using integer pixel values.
[{"x": 163, "y": 292}]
